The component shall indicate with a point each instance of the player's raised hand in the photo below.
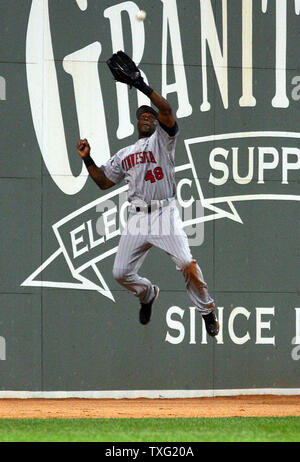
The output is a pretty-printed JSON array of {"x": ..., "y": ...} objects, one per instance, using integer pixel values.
[{"x": 83, "y": 148}]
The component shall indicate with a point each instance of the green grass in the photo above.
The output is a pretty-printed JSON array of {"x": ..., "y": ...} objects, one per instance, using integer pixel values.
[{"x": 152, "y": 430}]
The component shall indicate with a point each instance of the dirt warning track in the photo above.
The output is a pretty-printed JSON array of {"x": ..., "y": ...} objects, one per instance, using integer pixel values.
[{"x": 237, "y": 406}]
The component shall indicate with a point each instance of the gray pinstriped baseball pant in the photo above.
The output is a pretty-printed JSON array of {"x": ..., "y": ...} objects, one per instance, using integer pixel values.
[{"x": 161, "y": 228}]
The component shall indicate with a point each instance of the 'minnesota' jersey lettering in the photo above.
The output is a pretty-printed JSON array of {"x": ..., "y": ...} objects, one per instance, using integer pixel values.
[
  {"x": 138, "y": 158},
  {"x": 146, "y": 166}
]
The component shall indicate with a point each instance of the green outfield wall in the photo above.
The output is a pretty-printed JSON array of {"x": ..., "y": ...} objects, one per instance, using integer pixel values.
[{"x": 231, "y": 71}]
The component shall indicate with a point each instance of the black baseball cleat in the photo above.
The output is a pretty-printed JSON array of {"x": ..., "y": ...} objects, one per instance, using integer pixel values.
[
  {"x": 211, "y": 324},
  {"x": 146, "y": 308}
]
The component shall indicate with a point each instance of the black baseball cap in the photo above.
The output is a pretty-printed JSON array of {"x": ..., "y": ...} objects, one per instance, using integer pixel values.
[{"x": 145, "y": 108}]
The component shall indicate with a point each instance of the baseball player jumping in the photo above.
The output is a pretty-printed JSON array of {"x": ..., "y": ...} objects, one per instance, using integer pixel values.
[{"x": 148, "y": 168}]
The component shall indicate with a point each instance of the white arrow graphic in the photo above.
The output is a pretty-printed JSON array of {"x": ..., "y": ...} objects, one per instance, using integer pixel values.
[{"x": 211, "y": 204}]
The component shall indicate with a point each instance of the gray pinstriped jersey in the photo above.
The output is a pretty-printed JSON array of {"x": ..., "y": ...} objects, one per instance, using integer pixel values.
[{"x": 146, "y": 166}]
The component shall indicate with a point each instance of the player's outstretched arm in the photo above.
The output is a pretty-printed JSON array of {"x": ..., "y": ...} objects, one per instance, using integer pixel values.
[
  {"x": 84, "y": 150},
  {"x": 165, "y": 114}
]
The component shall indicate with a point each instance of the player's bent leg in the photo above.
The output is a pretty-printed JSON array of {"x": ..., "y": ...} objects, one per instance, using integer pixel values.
[
  {"x": 197, "y": 289},
  {"x": 195, "y": 283},
  {"x": 198, "y": 293},
  {"x": 132, "y": 251},
  {"x": 141, "y": 287},
  {"x": 175, "y": 243}
]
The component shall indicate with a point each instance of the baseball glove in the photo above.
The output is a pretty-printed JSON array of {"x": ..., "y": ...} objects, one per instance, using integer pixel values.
[{"x": 124, "y": 69}]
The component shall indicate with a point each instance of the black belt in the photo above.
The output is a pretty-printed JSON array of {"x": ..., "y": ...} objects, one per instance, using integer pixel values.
[
  {"x": 159, "y": 204},
  {"x": 138, "y": 209}
]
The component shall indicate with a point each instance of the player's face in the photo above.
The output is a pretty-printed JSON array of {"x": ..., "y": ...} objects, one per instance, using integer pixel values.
[{"x": 146, "y": 124}]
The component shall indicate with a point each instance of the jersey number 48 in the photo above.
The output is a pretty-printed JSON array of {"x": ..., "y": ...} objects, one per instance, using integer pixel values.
[{"x": 156, "y": 174}]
